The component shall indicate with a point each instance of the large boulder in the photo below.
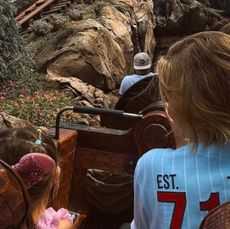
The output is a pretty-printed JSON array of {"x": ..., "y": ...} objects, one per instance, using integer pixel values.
[
  {"x": 185, "y": 17},
  {"x": 85, "y": 51},
  {"x": 176, "y": 19},
  {"x": 221, "y": 5},
  {"x": 99, "y": 52},
  {"x": 226, "y": 29}
]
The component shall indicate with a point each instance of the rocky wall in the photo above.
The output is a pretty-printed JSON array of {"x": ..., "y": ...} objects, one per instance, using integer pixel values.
[{"x": 99, "y": 51}]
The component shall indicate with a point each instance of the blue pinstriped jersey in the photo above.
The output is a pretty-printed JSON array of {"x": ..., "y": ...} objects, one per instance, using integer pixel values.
[{"x": 176, "y": 188}]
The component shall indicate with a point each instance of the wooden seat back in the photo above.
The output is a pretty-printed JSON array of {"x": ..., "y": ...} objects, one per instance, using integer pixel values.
[{"x": 218, "y": 218}]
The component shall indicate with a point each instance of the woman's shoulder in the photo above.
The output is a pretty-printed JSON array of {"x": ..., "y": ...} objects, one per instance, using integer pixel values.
[
  {"x": 158, "y": 155},
  {"x": 153, "y": 157},
  {"x": 166, "y": 152}
]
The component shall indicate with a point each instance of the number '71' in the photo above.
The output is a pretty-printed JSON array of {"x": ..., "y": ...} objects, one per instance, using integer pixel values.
[{"x": 179, "y": 199}]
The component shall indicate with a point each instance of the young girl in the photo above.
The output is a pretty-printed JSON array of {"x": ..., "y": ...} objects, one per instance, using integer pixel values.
[
  {"x": 176, "y": 188},
  {"x": 32, "y": 153}
]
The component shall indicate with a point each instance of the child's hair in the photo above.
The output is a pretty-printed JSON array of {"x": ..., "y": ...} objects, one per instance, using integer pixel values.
[
  {"x": 194, "y": 77},
  {"x": 14, "y": 184},
  {"x": 17, "y": 142}
]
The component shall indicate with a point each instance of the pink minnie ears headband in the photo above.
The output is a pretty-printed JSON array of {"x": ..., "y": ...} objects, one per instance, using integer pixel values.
[{"x": 32, "y": 167}]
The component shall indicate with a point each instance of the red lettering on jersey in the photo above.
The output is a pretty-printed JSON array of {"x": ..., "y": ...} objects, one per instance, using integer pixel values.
[
  {"x": 212, "y": 202},
  {"x": 179, "y": 199}
]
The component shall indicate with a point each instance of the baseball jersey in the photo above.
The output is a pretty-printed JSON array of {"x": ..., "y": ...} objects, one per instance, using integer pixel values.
[
  {"x": 129, "y": 80},
  {"x": 177, "y": 188}
]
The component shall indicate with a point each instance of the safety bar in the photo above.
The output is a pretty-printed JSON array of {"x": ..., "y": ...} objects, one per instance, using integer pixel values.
[{"x": 93, "y": 111}]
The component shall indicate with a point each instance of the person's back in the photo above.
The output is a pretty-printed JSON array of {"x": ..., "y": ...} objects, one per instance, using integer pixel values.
[
  {"x": 142, "y": 66},
  {"x": 175, "y": 188},
  {"x": 182, "y": 187}
]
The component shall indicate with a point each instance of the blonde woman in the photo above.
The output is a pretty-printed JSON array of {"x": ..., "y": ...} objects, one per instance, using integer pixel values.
[{"x": 176, "y": 188}]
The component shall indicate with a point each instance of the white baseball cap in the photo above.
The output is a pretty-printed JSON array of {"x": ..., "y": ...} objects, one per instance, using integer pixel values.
[{"x": 141, "y": 61}]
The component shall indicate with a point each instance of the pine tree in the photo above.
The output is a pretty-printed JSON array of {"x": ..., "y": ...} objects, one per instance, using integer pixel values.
[
  {"x": 12, "y": 56},
  {"x": 21, "y": 5}
]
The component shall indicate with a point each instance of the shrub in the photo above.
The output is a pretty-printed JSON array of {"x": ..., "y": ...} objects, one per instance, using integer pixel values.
[
  {"x": 74, "y": 14},
  {"x": 58, "y": 21},
  {"x": 13, "y": 56},
  {"x": 21, "y": 5},
  {"x": 40, "y": 27},
  {"x": 39, "y": 109}
]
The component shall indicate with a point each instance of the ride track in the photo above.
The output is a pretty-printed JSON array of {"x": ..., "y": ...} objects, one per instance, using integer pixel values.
[{"x": 41, "y": 9}]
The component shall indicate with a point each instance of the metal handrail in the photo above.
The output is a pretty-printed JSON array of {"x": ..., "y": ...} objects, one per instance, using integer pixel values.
[{"x": 93, "y": 111}]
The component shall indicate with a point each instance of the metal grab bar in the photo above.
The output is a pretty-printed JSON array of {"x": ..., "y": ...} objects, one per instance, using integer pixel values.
[{"x": 93, "y": 111}]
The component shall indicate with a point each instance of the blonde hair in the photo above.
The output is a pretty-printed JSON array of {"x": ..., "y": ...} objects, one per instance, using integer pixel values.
[{"x": 194, "y": 78}]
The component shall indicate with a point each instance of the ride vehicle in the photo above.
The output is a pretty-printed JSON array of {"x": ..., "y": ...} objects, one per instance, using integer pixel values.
[{"x": 98, "y": 162}]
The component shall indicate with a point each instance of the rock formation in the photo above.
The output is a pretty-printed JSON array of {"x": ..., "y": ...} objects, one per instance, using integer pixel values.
[
  {"x": 226, "y": 29},
  {"x": 99, "y": 52},
  {"x": 175, "y": 19},
  {"x": 8, "y": 121}
]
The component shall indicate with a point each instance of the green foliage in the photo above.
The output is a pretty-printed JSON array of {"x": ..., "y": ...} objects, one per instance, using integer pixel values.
[
  {"x": 13, "y": 59},
  {"x": 35, "y": 42},
  {"x": 58, "y": 21},
  {"x": 29, "y": 82},
  {"x": 89, "y": 12},
  {"x": 39, "y": 109},
  {"x": 74, "y": 14},
  {"x": 40, "y": 27},
  {"x": 21, "y": 5}
]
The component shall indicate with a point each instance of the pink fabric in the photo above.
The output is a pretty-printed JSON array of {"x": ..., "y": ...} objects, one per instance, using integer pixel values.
[
  {"x": 50, "y": 218},
  {"x": 33, "y": 166}
]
